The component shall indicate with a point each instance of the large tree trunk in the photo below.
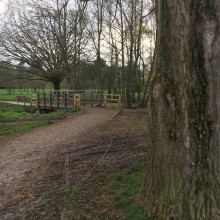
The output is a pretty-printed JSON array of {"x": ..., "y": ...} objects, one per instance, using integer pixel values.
[
  {"x": 56, "y": 84},
  {"x": 182, "y": 180}
]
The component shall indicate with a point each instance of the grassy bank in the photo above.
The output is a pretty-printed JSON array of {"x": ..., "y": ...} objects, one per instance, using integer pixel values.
[
  {"x": 19, "y": 113},
  {"x": 5, "y": 96},
  {"x": 15, "y": 112},
  {"x": 10, "y": 112},
  {"x": 6, "y": 129}
]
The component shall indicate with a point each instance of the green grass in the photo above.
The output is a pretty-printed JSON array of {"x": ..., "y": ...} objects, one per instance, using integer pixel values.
[
  {"x": 63, "y": 112},
  {"x": 67, "y": 191},
  {"x": 9, "y": 112},
  {"x": 124, "y": 186},
  {"x": 19, "y": 112},
  {"x": 6, "y": 129},
  {"x": 5, "y": 96},
  {"x": 5, "y": 107},
  {"x": 14, "y": 112}
]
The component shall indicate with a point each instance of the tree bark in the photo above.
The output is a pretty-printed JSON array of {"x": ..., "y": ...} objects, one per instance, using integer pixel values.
[
  {"x": 56, "y": 84},
  {"x": 182, "y": 180}
]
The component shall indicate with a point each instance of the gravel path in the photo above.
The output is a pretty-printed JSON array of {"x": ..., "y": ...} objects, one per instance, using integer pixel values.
[
  {"x": 20, "y": 155},
  {"x": 16, "y": 103}
]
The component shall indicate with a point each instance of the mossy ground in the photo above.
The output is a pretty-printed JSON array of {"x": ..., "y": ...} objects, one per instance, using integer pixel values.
[{"x": 113, "y": 191}]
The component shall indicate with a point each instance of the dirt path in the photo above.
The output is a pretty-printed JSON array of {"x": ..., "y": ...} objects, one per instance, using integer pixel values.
[
  {"x": 23, "y": 158},
  {"x": 16, "y": 103}
]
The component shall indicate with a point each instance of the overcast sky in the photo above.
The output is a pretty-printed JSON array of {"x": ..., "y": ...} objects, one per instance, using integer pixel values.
[{"x": 2, "y": 4}]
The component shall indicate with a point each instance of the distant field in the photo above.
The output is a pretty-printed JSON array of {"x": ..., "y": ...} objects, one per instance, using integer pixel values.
[{"x": 5, "y": 96}]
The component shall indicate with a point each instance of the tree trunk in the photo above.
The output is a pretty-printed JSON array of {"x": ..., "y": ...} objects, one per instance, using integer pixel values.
[
  {"x": 56, "y": 85},
  {"x": 182, "y": 180}
]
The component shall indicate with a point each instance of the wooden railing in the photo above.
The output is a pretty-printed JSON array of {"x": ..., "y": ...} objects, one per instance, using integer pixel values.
[
  {"x": 93, "y": 97},
  {"x": 67, "y": 99},
  {"x": 113, "y": 99},
  {"x": 58, "y": 99},
  {"x": 33, "y": 99}
]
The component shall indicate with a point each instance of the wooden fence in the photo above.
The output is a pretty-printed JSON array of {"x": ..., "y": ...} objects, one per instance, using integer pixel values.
[
  {"x": 67, "y": 99},
  {"x": 56, "y": 99},
  {"x": 112, "y": 99}
]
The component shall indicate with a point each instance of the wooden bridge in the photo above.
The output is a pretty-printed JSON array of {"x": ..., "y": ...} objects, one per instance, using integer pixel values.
[{"x": 68, "y": 99}]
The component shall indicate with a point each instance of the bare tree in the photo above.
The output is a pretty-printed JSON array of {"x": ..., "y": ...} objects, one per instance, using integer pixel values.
[{"x": 42, "y": 38}]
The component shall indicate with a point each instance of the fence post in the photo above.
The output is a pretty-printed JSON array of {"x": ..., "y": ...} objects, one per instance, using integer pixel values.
[
  {"x": 119, "y": 100},
  {"x": 84, "y": 98},
  {"x": 57, "y": 93},
  {"x": 38, "y": 100},
  {"x": 92, "y": 97},
  {"x": 74, "y": 100},
  {"x": 31, "y": 99},
  {"x": 105, "y": 100},
  {"x": 64, "y": 99},
  {"x": 44, "y": 101},
  {"x": 101, "y": 97},
  {"x": 50, "y": 97},
  {"x": 79, "y": 100}
]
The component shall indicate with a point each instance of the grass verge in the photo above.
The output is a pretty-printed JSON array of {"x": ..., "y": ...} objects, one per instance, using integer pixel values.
[
  {"x": 6, "y": 129},
  {"x": 19, "y": 113},
  {"x": 13, "y": 112},
  {"x": 10, "y": 112},
  {"x": 6, "y": 96}
]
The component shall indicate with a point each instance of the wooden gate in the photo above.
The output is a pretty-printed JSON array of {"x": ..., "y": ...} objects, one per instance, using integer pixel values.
[{"x": 112, "y": 99}]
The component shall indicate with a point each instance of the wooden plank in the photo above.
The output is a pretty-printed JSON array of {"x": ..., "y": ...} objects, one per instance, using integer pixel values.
[
  {"x": 57, "y": 94},
  {"x": 74, "y": 100},
  {"x": 94, "y": 103},
  {"x": 64, "y": 99},
  {"x": 119, "y": 102},
  {"x": 92, "y": 98},
  {"x": 105, "y": 100},
  {"x": 113, "y": 99},
  {"x": 50, "y": 101},
  {"x": 112, "y": 94},
  {"x": 79, "y": 91},
  {"x": 101, "y": 97},
  {"x": 44, "y": 101},
  {"x": 89, "y": 98},
  {"x": 38, "y": 100},
  {"x": 79, "y": 101}
]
